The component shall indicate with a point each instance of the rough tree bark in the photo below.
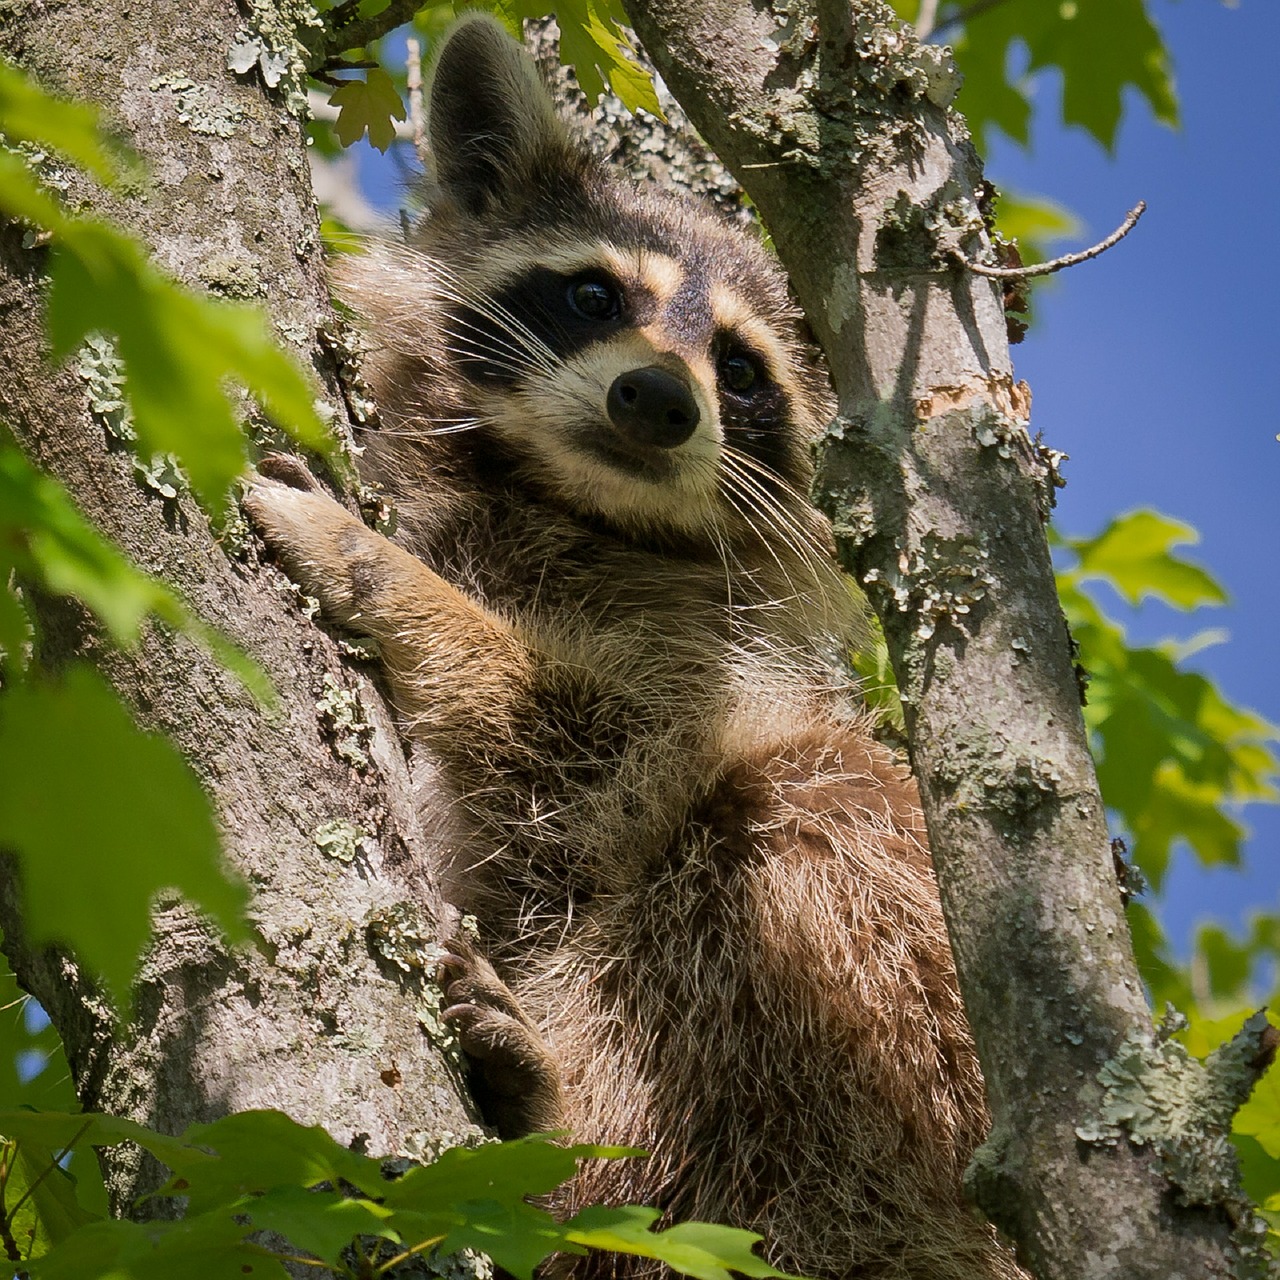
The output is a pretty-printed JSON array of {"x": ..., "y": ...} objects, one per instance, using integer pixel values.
[
  {"x": 331, "y": 1018},
  {"x": 1108, "y": 1155}
]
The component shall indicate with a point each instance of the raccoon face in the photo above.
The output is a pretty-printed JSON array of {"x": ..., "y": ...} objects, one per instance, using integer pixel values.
[
  {"x": 635, "y": 385},
  {"x": 630, "y": 353}
]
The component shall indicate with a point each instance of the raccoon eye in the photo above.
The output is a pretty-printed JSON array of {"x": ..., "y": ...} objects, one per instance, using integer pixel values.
[
  {"x": 595, "y": 300},
  {"x": 738, "y": 372}
]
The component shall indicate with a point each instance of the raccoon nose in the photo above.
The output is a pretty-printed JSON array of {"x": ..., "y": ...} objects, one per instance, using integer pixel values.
[{"x": 653, "y": 407}]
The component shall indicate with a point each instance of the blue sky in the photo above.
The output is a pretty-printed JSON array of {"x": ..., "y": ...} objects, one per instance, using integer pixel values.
[{"x": 1153, "y": 367}]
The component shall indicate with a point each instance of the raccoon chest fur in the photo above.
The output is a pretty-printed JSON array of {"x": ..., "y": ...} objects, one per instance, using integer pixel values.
[{"x": 708, "y": 921}]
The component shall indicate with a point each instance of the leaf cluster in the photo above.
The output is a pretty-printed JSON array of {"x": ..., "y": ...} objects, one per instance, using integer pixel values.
[
  {"x": 1099, "y": 48},
  {"x": 1176, "y": 758},
  {"x": 593, "y": 40},
  {"x": 103, "y": 817},
  {"x": 261, "y": 1191}
]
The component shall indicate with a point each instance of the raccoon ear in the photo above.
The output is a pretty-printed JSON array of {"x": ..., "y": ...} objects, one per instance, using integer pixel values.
[{"x": 490, "y": 121}]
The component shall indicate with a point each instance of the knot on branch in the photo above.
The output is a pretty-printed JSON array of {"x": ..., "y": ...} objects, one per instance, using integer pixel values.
[
  {"x": 926, "y": 233},
  {"x": 1157, "y": 1095}
]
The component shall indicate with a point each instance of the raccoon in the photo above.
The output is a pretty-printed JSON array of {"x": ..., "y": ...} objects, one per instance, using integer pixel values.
[{"x": 708, "y": 921}]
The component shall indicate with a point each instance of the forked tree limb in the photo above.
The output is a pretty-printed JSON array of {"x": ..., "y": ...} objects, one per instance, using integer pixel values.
[
  {"x": 345, "y": 27},
  {"x": 838, "y": 124}
]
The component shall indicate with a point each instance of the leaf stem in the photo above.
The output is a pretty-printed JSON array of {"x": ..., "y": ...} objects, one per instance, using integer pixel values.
[
  {"x": 407, "y": 1254},
  {"x": 53, "y": 1164}
]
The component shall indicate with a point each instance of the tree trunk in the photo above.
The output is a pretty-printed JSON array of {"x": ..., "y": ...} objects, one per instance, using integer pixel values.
[
  {"x": 332, "y": 1017},
  {"x": 838, "y": 126}
]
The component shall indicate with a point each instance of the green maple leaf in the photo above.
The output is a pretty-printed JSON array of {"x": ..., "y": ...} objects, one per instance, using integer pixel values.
[
  {"x": 1134, "y": 554},
  {"x": 1102, "y": 47},
  {"x": 102, "y": 816},
  {"x": 592, "y": 43},
  {"x": 370, "y": 104},
  {"x": 699, "y": 1249}
]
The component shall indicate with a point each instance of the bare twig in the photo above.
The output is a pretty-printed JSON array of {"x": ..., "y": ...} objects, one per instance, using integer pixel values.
[
  {"x": 413, "y": 70},
  {"x": 325, "y": 73},
  {"x": 1056, "y": 264},
  {"x": 961, "y": 16},
  {"x": 346, "y": 29},
  {"x": 926, "y": 18}
]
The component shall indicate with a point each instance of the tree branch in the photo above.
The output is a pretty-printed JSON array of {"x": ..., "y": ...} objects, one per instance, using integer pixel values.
[
  {"x": 961, "y": 16},
  {"x": 346, "y": 29},
  {"x": 1055, "y": 264},
  {"x": 336, "y": 986},
  {"x": 939, "y": 499},
  {"x": 417, "y": 112},
  {"x": 926, "y": 18}
]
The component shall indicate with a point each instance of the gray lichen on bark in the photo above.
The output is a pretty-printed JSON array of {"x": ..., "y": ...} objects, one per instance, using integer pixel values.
[{"x": 1154, "y": 1093}]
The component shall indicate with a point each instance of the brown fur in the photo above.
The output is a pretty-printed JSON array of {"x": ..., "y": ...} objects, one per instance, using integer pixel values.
[{"x": 704, "y": 888}]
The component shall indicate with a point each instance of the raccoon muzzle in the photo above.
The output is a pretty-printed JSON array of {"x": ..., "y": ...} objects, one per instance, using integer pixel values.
[{"x": 650, "y": 406}]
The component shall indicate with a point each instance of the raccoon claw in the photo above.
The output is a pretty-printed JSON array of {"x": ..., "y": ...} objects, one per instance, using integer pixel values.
[
  {"x": 451, "y": 963},
  {"x": 490, "y": 1037},
  {"x": 468, "y": 979},
  {"x": 515, "y": 1081},
  {"x": 318, "y": 543},
  {"x": 288, "y": 470}
]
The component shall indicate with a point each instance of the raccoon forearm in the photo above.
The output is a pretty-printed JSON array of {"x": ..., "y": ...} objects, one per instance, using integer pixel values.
[{"x": 458, "y": 672}]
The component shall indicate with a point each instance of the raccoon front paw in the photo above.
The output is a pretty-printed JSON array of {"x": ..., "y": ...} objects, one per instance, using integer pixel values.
[
  {"x": 514, "y": 1077},
  {"x": 318, "y": 542}
]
